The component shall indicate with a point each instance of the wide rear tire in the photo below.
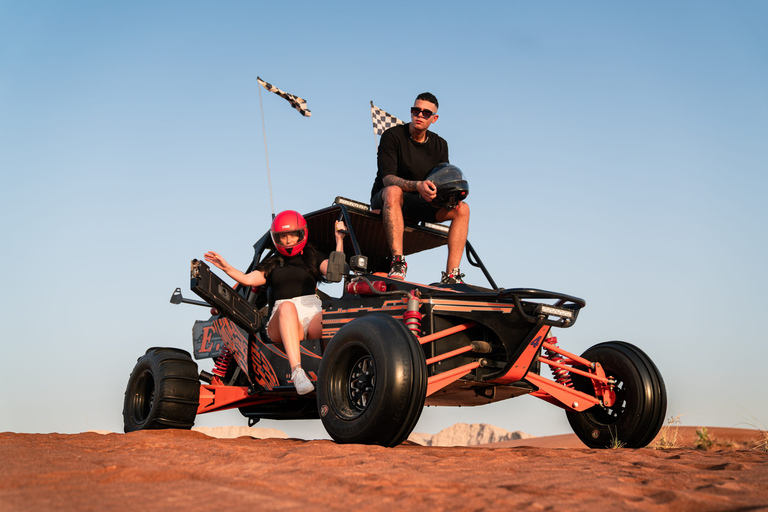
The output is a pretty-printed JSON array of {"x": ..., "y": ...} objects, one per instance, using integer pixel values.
[
  {"x": 372, "y": 383},
  {"x": 641, "y": 399},
  {"x": 163, "y": 391}
]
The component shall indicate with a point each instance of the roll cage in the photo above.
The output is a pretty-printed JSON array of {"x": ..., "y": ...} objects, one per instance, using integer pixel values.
[{"x": 366, "y": 249}]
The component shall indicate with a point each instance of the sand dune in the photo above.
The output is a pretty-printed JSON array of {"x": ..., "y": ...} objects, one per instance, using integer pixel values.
[{"x": 186, "y": 470}]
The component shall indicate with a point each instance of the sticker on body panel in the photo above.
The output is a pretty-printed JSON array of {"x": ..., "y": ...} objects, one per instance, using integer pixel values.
[{"x": 237, "y": 341}]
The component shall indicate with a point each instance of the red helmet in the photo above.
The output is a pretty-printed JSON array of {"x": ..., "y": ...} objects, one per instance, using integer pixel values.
[{"x": 289, "y": 222}]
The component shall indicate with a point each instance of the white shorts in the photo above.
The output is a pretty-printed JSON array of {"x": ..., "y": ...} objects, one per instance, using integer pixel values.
[{"x": 306, "y": 305}]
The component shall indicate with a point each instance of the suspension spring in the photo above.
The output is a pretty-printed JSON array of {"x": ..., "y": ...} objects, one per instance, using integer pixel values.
[
  {"x": 561, "y": 376},
  {"x": 412, "y": 317},
  {"x": 222, "y": 363}
]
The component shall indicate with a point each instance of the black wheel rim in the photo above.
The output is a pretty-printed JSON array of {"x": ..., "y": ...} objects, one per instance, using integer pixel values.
[
  {"x": 351, "y": 386},
  {"x": 610, "y": 415},
  {"x": 362, "y": 377},
  {"x": 144, "y": 397}
]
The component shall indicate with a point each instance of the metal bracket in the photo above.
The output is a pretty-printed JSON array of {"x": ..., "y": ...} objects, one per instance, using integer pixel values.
[{"x": 176, "y": 298}]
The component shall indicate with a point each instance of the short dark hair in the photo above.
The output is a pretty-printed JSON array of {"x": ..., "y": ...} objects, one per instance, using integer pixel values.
[{"x": 428, "y": 96}]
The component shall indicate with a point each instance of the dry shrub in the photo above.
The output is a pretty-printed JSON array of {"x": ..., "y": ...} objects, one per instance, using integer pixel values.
[
  {"x": 762, "y": 443},
  {"x": 669, "y": 435},
  {"x": 616, "y": 443}
]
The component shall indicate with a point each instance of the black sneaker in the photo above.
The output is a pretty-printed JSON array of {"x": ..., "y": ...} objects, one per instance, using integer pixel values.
[
  {"x": 454, "y": 277},
  {"x": 399, "y": 268}
]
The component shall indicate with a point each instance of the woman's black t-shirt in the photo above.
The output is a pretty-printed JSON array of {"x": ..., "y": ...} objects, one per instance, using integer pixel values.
[{"x": 293, "y": 278}]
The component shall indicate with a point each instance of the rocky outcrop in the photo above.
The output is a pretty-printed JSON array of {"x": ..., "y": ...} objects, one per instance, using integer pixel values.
[{"x": 463, "y": 434}]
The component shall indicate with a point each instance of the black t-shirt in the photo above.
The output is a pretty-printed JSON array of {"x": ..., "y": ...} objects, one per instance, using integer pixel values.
[
  {"x": 405, "y": 158},
  {"x": 293, "y": 278}
]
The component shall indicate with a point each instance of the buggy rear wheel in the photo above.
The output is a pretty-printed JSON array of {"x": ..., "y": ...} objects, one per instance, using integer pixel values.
[
  {"x": 163, "y": 391},
  {"x": 641, "y": 399},
  {"x": 372, "y": 383}
]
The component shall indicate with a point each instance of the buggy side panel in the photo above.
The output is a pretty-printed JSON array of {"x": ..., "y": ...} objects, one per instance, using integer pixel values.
[
  {"x": 236, "y": 340},
  {"x": 336, "y": 314},
  {"x": 514, "y": 341},
  {"x": 206, "y": 341}
]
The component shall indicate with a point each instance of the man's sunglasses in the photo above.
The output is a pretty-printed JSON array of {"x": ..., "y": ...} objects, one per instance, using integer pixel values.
[{"x": 426, "y": 114}]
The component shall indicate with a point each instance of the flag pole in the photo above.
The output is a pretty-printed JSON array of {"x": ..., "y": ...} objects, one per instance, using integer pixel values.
[
  {"x": 375, "y": 142},
  {"x": 298, "y": 103},
  {"x": 266, "y": 155}
]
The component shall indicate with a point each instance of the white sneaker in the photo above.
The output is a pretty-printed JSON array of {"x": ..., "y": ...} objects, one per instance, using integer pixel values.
[{"x": 301, "y": 382}]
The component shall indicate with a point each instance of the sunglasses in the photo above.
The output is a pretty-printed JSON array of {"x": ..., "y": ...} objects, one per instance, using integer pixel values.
[{"x": 426, "y": 114}]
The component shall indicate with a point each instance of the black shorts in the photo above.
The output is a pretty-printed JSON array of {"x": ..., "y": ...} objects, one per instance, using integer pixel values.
[{"x": 415, "y": 207}]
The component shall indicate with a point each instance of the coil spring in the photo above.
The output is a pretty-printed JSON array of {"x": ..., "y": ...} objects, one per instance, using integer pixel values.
[
  {"x": 221, "y": 365},
  {"x": 561, "y": 376},
  {"x": 412, "y": 317}
]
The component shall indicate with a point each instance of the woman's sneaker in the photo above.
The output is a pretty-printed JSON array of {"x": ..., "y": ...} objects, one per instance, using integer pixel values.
[
  {"x": 301, "y": 382},
  {"x": 399, "y": 268},
  {"x": 453, "y": 277}
]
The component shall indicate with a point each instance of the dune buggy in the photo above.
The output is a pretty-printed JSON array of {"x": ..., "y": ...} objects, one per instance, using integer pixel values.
[{"x": 389, "y": 347}]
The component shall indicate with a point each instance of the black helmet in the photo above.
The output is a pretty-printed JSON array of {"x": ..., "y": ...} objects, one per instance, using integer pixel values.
[{"x": 451, "y": 184}]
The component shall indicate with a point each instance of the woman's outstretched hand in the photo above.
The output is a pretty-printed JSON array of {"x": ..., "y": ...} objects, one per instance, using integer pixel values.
[{"x": 216, "y": 259}]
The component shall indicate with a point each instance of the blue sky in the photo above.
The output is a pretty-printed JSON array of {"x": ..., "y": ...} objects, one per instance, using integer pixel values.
[{"x": 615, "y": 151}]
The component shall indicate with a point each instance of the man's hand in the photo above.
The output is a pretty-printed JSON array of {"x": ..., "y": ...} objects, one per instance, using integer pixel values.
[{"x": 427, "y": 190}]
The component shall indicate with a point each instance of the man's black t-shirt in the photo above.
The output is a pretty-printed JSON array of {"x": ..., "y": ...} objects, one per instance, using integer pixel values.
[
  {"x": 293, "y": 278},
  {"x": 405, "y": 158}
]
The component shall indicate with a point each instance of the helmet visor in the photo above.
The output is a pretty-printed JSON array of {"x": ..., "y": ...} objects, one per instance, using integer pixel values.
[
  {"x": 288, "y": 238},
  {"x": 445, "y": 174}
]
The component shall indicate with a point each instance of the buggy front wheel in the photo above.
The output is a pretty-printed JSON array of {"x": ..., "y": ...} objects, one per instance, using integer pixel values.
[{"x": 638, "y": 412}]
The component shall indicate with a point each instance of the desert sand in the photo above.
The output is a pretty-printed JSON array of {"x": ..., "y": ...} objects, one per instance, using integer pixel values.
[{"x": 188, "y": 470}]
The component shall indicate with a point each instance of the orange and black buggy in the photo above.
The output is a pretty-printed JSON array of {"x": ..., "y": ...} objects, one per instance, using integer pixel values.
[{"x": 390, "y": 347}]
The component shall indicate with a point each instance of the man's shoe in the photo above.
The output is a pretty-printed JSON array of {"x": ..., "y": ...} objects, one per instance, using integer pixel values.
[
  {"x": 399, "y": 268},
  {"x": 301, "y": 382},
  {"x": 454, "y": 277}
]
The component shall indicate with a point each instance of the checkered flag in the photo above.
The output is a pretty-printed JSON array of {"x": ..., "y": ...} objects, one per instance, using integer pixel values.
[
  {"x": 296, "y": 102},
  {"x": 382, "y": 120}
]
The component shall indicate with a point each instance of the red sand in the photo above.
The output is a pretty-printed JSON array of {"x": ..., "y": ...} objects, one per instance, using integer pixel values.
[{"x": 183, "y": 470}]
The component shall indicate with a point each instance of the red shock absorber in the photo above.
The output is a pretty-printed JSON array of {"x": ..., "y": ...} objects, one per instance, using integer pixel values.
[
  {"x": 222, "y": 363},
  {"x": 412, "y": 317},
  {"x": 561, "y": 376}
]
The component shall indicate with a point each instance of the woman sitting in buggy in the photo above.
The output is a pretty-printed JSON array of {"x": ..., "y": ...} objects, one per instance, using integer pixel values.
[{"x": 293, "y": 275}]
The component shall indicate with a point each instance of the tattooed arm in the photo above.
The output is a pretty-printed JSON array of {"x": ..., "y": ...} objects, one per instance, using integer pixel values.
[
  {"x": 396, "y": 181},
  {"x": 426, "y": 188}
]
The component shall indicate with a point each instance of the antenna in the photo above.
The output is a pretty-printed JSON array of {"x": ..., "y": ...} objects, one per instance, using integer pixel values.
[
  {"x": 299, "y": 104},
  {"x": 266, "y": 155}
]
